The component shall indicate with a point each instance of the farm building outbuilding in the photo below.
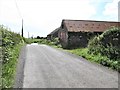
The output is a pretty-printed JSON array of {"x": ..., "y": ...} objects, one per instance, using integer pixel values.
[
  {"x": 76, "y": 33},
  {"x": 53, "y": 34}
]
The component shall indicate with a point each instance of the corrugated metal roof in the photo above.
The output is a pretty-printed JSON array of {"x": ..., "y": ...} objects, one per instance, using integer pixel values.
[{"x": 88, "y": 25}]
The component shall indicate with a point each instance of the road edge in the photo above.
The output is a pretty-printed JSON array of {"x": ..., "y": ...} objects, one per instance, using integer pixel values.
[{"x": 19, "y": 76}]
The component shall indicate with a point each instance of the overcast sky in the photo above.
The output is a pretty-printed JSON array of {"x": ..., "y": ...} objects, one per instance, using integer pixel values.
[{"x": 43, "y": 16}]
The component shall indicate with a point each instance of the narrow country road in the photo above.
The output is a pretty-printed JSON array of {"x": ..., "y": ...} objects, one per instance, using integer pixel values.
[{"x": 47, "y": 67}]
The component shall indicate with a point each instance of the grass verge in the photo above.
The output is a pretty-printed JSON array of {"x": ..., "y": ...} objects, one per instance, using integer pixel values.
[
  {"x": 95, "y": 58},
  {"x": 9, "y": 68}
]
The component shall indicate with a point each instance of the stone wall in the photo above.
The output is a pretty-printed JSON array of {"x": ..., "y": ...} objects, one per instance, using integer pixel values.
[
  {"x": 77, "y": 40},
  {"x": 80, "y": 39}
]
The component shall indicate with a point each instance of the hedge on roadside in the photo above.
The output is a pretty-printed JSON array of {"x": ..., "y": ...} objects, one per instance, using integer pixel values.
[
  {"x": 107, "y": 44},
  {"x": 11, "y": 44}
]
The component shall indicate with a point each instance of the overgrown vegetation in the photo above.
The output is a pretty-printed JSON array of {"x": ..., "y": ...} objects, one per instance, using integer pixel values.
[
  {"x": 103, "y": 49},
  {"x": 11, "y": 45},
  {"x": 98, "y": 58},
  {"x": 107, "y": 44},
  {"x": 54, "y": 42}
]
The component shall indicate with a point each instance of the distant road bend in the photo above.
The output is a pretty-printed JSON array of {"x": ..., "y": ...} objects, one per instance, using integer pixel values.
[{"x": 41, "y": 66}]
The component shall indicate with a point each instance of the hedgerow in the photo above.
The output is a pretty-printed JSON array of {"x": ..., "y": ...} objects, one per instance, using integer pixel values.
[
  {"x": 107, "y": 44},
  {"x": 11, "y": 44}
]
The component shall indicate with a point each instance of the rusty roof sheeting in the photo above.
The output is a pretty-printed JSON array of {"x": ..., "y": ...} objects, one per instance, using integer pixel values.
[{"x": 88, "y": 25}]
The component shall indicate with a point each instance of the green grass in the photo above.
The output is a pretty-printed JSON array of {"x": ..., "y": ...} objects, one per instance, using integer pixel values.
[
  {"x": 9, "y": 68},
  {"x": 95, "y": 58},
  {"x": 82, "y": 52}
]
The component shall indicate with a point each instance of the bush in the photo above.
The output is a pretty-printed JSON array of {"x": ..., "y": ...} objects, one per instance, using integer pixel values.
[{"x": 107, "y": 44}]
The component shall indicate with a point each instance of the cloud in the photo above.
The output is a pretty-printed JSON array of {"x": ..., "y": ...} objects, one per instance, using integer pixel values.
[
  {"x": 111, "y": 10},
  {"x": 45, "y": 15}
]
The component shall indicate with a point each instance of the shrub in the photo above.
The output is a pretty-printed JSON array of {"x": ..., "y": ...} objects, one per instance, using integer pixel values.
[{"x": 107, "y": 44}]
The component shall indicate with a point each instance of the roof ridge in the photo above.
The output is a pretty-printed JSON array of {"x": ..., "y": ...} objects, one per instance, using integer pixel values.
[{"x": 90, "y": 20}]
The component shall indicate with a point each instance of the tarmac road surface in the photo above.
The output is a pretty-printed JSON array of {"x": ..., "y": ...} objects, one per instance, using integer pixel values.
[{"x": 42, "y": 66}]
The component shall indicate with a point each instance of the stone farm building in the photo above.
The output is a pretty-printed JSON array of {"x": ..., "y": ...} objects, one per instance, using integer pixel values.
[
  {"x": 76, "y": 33},
  {"x": 53, "y": 34}
]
